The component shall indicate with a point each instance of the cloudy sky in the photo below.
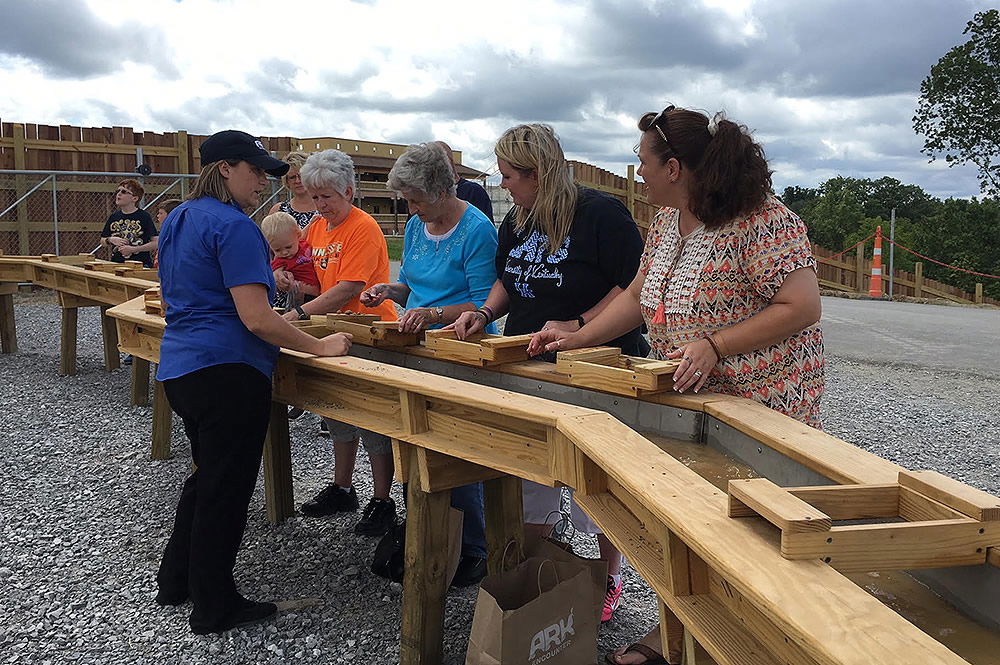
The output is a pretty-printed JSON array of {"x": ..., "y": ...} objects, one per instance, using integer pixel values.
[{"x": 828, "y": 86}]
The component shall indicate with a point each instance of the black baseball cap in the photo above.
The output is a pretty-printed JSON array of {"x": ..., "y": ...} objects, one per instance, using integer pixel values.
[{"x": 233, "y": 144}]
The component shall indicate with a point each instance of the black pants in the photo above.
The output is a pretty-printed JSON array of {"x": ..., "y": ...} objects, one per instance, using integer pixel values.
[{"x": 225, "y": 409}]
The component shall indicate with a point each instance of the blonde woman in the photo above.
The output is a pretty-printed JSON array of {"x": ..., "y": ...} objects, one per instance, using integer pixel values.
[{"x": 564, "y": 253}]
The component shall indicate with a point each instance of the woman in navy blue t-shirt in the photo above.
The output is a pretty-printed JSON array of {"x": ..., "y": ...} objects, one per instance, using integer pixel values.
[{"x": 216, "y": 360}]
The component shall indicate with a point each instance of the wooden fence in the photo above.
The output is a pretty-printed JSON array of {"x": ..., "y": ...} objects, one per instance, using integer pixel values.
[
  {"x": 114, "y": 149},
  {"x": 850, "y": 273}
]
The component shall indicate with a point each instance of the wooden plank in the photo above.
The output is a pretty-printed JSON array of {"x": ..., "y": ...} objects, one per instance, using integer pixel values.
[
  {"x": 67, "y": 341},
  {"x": 915, "y": 507},
  {"x": 278, "y": 491},
  {"x": 506, "y": 341},
  {"x": 424, "y": 578},
  {"x": 440, "y": 472},
  {"x": 596, "y": 354},
  {"x": 402, "y": 454},
  {"x": 897, "y": 546},
  {"x": 349, "y": 317},
  {"x": 782, "y": 509},
  {"x": 827, "y": 455},
  {"x": 993, "y": 556},
  {"x": 967, "y": 500},
  {"x": 80, "y": 147},
  {"x": 562, "y": 458},
  {"x": 413, "y": 409},
  {"x": 504, "y": 514},
  {"x": 843, "y": 502},
  {"x": 109, "y": 338},
  {"x": 491, "y": 447},
  {"x": 751, "y": 619},
  {"x": 671, "y": 634},
  {"x": 8, "y": 323},
  {"x": 139, "y": 390},
  {"x": 162, "y": 422}
]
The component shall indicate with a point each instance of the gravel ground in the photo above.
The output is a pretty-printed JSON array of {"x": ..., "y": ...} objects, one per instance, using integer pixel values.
[{"x": 86, "y": 514}]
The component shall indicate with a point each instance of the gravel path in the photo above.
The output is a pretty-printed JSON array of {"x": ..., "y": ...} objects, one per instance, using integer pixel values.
[{"x": 86, "y": 514}]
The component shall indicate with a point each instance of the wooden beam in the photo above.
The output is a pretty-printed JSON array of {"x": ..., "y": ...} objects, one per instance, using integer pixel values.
[
  {"x": 413, "y": 410},
  {"x": 162, "y": 422},
  {"x": 782, "y": 509},
  {"x": 278, "y": 491},
  {"x": 439, "y": 472},
  {"x": 671, "y": 635},
  {"x": 897, "y": 546},
  {"x": 915, "y": 507},
  {"x": 424, "y": 578},
  {"x": 139, "y": 393},
  {"x": 504, "y": 513},
  {"x": 967, "y": 500},
  {"x": 843, "y": 502},
  {"x": 67, "y": 341},
  {"x": 8, "y": 323},
  {"x": 109, "y": 338}
]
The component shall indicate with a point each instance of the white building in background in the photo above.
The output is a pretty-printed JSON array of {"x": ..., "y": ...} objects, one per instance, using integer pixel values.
[{"x": 500, "y": 198}]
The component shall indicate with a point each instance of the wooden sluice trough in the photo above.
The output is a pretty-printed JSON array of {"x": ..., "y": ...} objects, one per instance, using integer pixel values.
[
  {"x": 716, "y": 565},
  {"x": 716, "y": 562}
]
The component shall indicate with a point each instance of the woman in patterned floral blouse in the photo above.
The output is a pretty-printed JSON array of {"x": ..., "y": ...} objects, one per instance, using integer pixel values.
[{"x": 727, "y": 281}]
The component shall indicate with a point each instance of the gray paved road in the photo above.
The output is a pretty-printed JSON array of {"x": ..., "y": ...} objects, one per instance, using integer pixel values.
[{"x": 962, "y": 339}]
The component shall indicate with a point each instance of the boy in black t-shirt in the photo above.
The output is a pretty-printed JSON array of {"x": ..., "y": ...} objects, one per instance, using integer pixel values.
[{"x": 130, "y": 232}]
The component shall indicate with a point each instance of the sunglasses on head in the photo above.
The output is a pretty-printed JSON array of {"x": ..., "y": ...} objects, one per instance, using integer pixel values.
[{"x": 662, "y": 115}]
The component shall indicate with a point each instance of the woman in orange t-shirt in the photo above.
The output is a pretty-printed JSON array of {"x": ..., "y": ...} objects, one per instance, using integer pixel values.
[{"x": 350, "y": 255}]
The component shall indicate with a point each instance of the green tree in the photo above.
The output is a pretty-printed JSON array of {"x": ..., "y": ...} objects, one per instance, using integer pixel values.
[{"x": 959, "y": 109}]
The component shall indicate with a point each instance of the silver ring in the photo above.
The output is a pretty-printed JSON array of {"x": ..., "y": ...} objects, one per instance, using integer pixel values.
[{"x": 697, "y": 372}]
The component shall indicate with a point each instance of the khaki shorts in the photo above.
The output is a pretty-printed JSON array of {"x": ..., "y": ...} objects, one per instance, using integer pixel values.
[{"x": 374, "y": 443}]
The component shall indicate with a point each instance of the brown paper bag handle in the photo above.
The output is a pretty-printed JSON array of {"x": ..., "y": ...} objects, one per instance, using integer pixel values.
[
  {"x": 554, "y": 572},
  {"x": 563, "y": 517},
  {"x": 506, "y": 549}
]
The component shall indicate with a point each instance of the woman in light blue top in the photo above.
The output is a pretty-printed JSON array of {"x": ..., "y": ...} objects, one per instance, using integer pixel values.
[{"x": 449, "y": 267}]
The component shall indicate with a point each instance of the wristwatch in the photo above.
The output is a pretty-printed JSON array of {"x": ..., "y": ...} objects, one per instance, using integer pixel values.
[
  {"x": 440, "y": 312},
  {"x": 302, "y": 313}
]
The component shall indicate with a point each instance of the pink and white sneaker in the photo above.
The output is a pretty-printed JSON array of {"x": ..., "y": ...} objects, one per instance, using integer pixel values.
[{"x": 612, "y": 599}]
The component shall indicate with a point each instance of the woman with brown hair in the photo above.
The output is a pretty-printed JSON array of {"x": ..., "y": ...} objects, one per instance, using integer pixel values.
[
  {"x": 564, "y": 253},
  {"x": 727, "y": 282},
  {"x": 216, "y": 359}
]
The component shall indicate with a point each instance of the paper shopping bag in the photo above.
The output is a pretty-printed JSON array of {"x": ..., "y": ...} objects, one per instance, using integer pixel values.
[
  {"x": 547, "y": 548},
  {"x": 538, "y": 612}
]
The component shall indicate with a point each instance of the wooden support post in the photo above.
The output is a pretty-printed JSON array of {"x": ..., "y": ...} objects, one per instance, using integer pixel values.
[
  {"x": 979, "y": 293},
  {"x": 8, "y": 326},
  {"x": 671, "y": 635},
  {"x": 859, "y": 269},
  {"x": 504, "y": 514},
  {"x": 425, "y": 581},
  {"x": 20, "y": 189},
  {"x": 162, "y": 419},
  {"x": 918, "y": 279},
  {"x": 140, "y": 381},
  {"x": 183, "y": 162},
  {"x": 109, "y": 335},
  {"x": 279, "y": 494},
  {"x": 67, "y": 342},
  {"x": 690, "y": 656}
]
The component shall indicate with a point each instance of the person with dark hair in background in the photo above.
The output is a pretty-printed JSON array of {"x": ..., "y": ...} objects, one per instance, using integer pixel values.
[
  {"x": 727, "y": 282},
  {"x": 467, "y": 190},
  {"x": 216, "y": 359}
]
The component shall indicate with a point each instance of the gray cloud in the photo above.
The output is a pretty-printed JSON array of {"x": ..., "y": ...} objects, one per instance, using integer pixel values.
[{"x": 66, "y": 40}]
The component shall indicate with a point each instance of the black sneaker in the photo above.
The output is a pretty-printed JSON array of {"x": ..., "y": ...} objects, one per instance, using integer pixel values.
[
  {"x": 294, "y": 412},
  {"x": 378, "y": 517},
  {"x": 249, "y": 614},
  {"x": 128, "y": 360},
  {"x": 331, "y": 499},
  {"x": 471, "y": 569}
]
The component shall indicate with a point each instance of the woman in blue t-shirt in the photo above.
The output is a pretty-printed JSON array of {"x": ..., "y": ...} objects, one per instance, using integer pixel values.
[
  {"x": 216, "y": 359},
  {"x": 447, "y": 269}
]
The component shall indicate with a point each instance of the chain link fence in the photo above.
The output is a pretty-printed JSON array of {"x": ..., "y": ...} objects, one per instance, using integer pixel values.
[{"x": 63, "y": 212}]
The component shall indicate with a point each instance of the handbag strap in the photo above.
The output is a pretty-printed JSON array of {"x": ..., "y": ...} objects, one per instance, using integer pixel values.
[{"x": 564, "y": 519}]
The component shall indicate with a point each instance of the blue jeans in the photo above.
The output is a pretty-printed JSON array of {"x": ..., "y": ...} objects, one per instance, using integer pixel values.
[{"x": 469, "y": 499}]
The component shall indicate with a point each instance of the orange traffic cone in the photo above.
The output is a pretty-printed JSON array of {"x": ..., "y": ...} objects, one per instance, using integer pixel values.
[{"x": 875, "y": 291}]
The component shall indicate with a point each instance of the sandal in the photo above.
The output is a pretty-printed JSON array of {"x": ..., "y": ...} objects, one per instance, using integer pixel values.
[{"x": 652, "y": 658}]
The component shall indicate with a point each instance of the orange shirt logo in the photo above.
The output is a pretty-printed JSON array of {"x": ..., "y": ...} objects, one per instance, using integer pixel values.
[{"x": 324, "y": 256}]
